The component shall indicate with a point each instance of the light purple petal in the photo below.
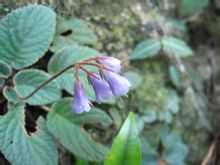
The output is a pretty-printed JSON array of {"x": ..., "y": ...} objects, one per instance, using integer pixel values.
[
  {"x": 118, "y": 84},
  {"x": 80, "y": 102},
  {"x": 101, "y": 88},
  {"x": 111, "y": 63}
]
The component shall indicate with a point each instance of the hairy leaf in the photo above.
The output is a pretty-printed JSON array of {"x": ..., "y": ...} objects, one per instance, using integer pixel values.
[{"x": 21, "y": 148}]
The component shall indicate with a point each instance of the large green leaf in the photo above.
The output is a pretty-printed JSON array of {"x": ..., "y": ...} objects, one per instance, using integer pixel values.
[
  {"x": 28, "y": 80},
  {"x": 66, "y": 57},
  {"x": 126, "y": 148},
  {"x": 146, "y": 49},
  {"x": 25, "y": 35},
  {"x": 176, "y": 47},
  {"x": 5, "y": 70},
  {"x": 21, "y": 148},
  {"x": 72, "y": 31},
  {"x": 64, "y": 125}
]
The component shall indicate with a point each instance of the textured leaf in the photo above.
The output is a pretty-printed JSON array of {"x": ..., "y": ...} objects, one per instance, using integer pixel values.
[
  {"x": 176, "y": 47},
  {"x": 2, "y": 82},
  {"x": 64, "y": 125},
  {"x": 77, "y": 32},
  {"x": 25, "y": 35},
  {"x": 5, "y": 70},
  {"x": 27, "y": 81},
  {"x": 66, "y": 57},
  {"x": 172, "y": 102},
  {"x": 126, "y": 148},
  {"x": 10, "y": 94},
  {"x": 19, "y": 147},
  {"x": 146, "y": 49}
]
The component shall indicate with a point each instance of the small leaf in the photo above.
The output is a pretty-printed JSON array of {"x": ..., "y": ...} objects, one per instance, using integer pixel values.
[
  {"x": 172, "y": 102},
  {"x": 176, "y": 47},
  {"x": 64, "y": 125},
  {"x": 25, "y": 35},
  {"x": 5, "y": 70},
  {"x": 175, "y": 76},
  {"x": 21, "y": 148},
  {"x": 126, "y": 149},
  {"x": 146, "y": 49},
  {"x": 28, "y": 80}
]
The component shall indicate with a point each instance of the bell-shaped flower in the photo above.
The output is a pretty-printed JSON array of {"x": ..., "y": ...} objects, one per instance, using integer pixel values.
[
  {"x": 110, "y": 63},
  {"x": 80, "y": 102},
  {"x": 118, "y": 84},
  {"x": 101, "y": 87}
]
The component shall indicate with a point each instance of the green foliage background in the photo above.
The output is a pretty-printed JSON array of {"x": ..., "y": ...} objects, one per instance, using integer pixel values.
[{"x": 176, "y": 109}]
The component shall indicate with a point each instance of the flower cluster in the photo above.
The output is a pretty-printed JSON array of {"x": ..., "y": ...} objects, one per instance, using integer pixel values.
[{"x": 107, "y": 83}]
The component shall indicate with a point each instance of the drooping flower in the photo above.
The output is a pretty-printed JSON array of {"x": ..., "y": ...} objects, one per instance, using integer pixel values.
[
  {"x": 118, "y": 84},
  {"x": 101, "y": 87},
  {"x": 111, "y": 63},
  {"x": 80, "y": 102}
]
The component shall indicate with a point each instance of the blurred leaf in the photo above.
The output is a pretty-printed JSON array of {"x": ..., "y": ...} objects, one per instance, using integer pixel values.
[
  {"x": 146, "y": 49},
  {"x": 64, "y": 125},
  {"x": 116, "y": 117},
  {"x": 175, "y": 151},
  {"x": 2, "y": 82},
  {"x": 26, "y": 34},
  {"x": 66, "y": 57},
  {"x": 134, "y": 78},
  {"x": 126, "y": 149},
  {"x": 172, "y": 102},
  {"x": 189, "y": 7},
  {"x": 5, "y": 70},
  {"x": 149, "y": 116},
  {"x": 19, "y": 147},
  {"x": 28, "y": 80},
  {"x": 175, "y": 76},
  {"x": 176, "y": 47},
  {"x": 72, "y": 31}
]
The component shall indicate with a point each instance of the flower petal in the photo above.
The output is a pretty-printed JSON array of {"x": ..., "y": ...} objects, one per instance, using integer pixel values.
[
  {"x": 101, "y": 87},
  {"x": 111, "y": 63},
  {"x": 118, "y": 84},
  {"x": 80, "y": 102}
]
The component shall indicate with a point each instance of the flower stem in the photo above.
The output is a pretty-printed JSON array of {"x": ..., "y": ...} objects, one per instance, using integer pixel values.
[{"x": 46, "y": 82}]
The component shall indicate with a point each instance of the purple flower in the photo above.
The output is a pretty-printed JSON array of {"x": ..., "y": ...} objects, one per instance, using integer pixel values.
[
  {"x": 111, "y": 63},
  {"x": 101, "y": 87},
  {"x": 118, "y": 84},
  {"x": 81, "y": 102}
]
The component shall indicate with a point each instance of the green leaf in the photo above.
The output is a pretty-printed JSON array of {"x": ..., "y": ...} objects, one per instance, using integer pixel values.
[
  {"x": 64, "y": 125},
  {"x": 126, "y": 149},
  {"x": 21, "y": 148},
  {"x": 189, "y": 7},
  {"x": 77, "y": 32},
  {"x": 2, "y": 82},
  {"x": 146, "y": 49},
  {"x": 66, "y": 57},
  {"x": 175, "y": 76},
  {"x": 28, "y": 80},
  {"x": 5, "y": 70},
  {"x": 25, "y": 35},
  {"x": 10, "y": 94},
  {"x": 176, "y": 47},
  {"x": 172, "y": 102}
]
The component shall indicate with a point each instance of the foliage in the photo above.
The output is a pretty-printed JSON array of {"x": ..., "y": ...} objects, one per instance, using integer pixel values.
[{"x": 163, "y": 46}]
